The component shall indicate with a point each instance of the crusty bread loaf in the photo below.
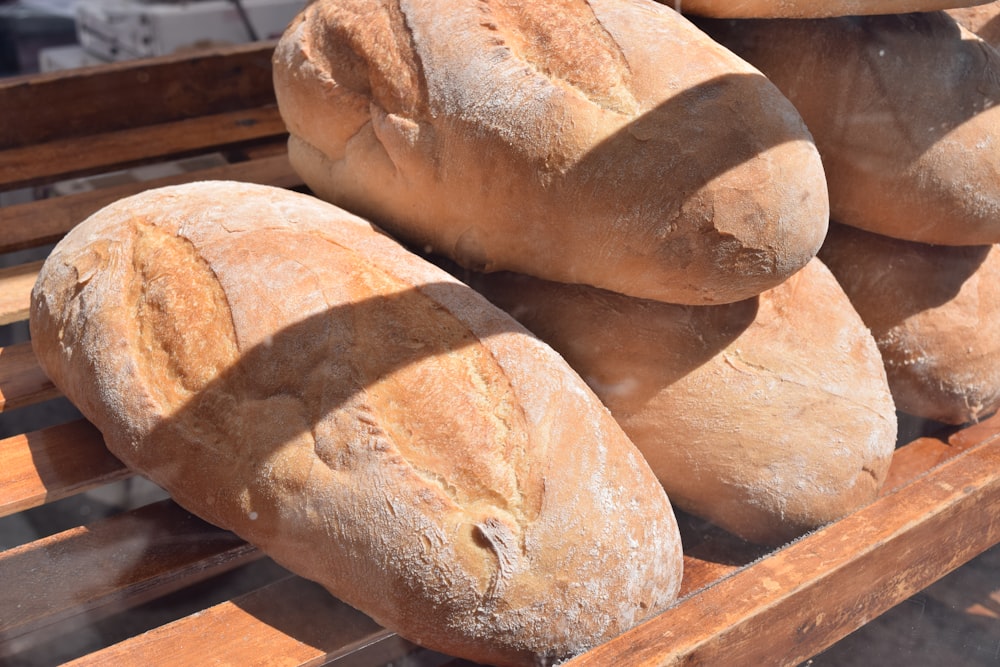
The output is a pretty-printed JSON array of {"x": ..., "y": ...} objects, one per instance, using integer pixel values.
[
  {"x": 608, "y": 143},
  {"x": 905, "y": 111},
  {"x": 768, "y": 417},
  {"x": 935, "y": 314},
  {"x": 984, "y": 20},
  {"x": 798, "y": 9},
  {"x": 289, "y": 373}
]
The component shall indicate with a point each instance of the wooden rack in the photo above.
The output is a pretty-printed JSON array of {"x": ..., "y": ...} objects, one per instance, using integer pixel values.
[{"x": 740, "y": 604}]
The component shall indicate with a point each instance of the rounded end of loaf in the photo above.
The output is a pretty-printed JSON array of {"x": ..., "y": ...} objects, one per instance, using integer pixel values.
[
  {"x": 365, "y": 419},
  {"x": 916, "y": 162},
  {"x": 585, "y": 166},
  {"x": 770, "y": 417},
  {"x": 933, "y": 311}
]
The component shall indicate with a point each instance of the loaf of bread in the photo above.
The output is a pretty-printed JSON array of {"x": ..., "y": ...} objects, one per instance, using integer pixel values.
[
  {"x": 798, "y": 9},
  {"x": 289, "y": 373},
  {"x": 983, "y": 20},
  {"x": 935, "y": 314},
  {"x": 609, "y": 143},
  {"x": 769, "y": 417},
  {"x": 905, "y": 111}
]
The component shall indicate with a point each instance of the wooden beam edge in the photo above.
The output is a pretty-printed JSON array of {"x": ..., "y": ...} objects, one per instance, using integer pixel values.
[{"x": 873, "y": 559}]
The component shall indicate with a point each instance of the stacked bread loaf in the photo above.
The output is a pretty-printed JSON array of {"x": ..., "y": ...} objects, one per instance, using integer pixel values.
[
  {"x": 613, "y": 150},
  {"x": 609, "y": 143},
  {"x": 916, "y": 165},
  {"x": 769, "y": 417},
  {"x": 983, "y": 20},
  {"x": 935, "y": 313},
  {"x": 649, "y": 199},
  {"x": 913, "y": 162}
]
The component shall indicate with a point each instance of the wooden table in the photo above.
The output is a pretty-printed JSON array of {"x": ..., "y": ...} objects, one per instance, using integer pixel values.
[{"x": 740, "y": 604}]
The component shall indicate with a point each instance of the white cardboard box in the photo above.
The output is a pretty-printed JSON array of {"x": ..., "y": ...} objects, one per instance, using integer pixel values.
[
  {"x": 124, "y": 29},
  {"x": 57, "y": 58}
]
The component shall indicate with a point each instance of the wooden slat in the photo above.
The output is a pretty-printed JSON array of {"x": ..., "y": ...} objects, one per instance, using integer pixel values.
[
  {"x": 42, "y": 108},
  {"x": 108, "y": 566},
  {"x": 292, "y": 618},
  {"x": 53, "y": 463},
  {"x": 40, "y": 163},
  {"x": 915, "y": 460},
  {"x": 46, "y": 221},
  {"x": 977, "y": 433},
  {"x": 22, "y": 381},
  {"x": 822, "y": 587},
  {"x": 15, "y": 291}
]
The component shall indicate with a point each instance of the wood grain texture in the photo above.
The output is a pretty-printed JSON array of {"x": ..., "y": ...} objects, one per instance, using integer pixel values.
[
  {"x": 15, "y": 291},
  {"x": 291, "y": 618},
  {"x": 109, "y": 566},
  {"x": 22, "y": 381},
  {"x": 43, "y": 108},
  {"x": 54, "y": 463},
  {"x": 47, "y": 220},
  {"x": 63, "y": 158}
]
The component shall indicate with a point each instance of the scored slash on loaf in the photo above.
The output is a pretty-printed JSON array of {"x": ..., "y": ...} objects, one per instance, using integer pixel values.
[
  {"x": 609, "y": 143},
  {"x": 288, "y": 372}
]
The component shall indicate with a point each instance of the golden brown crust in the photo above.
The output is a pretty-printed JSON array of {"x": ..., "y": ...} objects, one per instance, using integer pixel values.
[
  {"x": 983, "y": 20},
  {"x": 606, "y": 143},
  {"x": 905, "y": 113},
  {"x": 799, "y": 9},
  {"x": 287, "y": 372},
  {"x": 934, "y": 312},
  {"x": 769, "y": 417}
]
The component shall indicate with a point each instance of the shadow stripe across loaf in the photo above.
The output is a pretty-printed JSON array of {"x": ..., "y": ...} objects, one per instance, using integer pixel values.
[
  {"x": 288, "y": 372},
  {"x": 609, "y": 143}
]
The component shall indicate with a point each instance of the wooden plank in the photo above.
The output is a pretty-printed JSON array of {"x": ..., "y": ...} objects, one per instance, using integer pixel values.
[
  {"x": 15, "y": 291},
  {"x": 54, "y": 463},
  {"x": 42, "y": 108},
  {"x": 986, "y": 430},
  {"x": 110, "y": 565},
  {"x": 924, "y": 454},
  {"x": 824, "y": 586},
  {"x": 915, "y": 460},
  {"x": 22, "y": 381},
  {"x": 47, "y": 220},
  {"x": 40, "y": 163},
  {"x": 291, "y": 618}
]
